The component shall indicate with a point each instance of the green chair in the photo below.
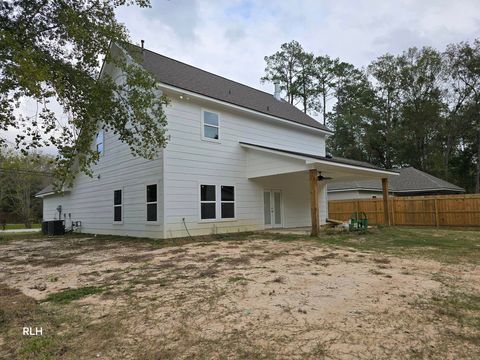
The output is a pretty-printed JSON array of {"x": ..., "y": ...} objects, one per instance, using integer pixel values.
[{"x": 358, "y": 221}]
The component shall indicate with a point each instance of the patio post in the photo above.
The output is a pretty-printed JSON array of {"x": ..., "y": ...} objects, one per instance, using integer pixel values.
[
  {"x": 386, "y": 214},
  {"x": 313, "y": 175}
]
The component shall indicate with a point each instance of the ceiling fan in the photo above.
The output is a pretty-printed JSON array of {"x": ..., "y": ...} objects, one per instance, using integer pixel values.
[{"x": 320, "y": 177}]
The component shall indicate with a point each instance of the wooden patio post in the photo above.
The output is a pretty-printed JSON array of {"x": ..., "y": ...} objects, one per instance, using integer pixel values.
[
  {"x": 313, "y": 174},
  {"x": 385, "y": 201}
]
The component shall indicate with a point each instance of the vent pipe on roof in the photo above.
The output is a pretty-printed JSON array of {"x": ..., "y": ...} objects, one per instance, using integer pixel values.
[{"x": 276, "y": 94}]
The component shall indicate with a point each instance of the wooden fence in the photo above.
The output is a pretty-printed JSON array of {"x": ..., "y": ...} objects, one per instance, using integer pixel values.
[{"x": 437, "y": 210}]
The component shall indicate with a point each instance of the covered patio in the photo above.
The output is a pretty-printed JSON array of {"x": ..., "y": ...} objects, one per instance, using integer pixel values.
[{"x": 295, "y": 184}]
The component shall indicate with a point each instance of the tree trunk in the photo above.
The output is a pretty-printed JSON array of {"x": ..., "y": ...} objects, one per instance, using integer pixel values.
[
  {"x": 324, "y": 98},
  {"x": 446, "y": 160}
]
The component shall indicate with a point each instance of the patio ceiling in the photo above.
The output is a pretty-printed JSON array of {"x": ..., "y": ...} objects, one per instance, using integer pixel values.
[{"x": 268, "y": 161}]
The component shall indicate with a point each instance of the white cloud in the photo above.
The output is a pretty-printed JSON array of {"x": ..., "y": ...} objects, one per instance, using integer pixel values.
[{"x": 231, "y": 37}]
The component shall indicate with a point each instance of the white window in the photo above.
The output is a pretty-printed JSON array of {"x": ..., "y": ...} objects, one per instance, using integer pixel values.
[
  {"x": 152, "y": 202},
  {"x": 117, "y": 206},
  {"x": 210, "y": 125},
  {"x": 208, "y": 204},
  {"x": 99, "y": 142},
  {"x": 227, "y": 202},
  {"x": 217, "y": 202}
]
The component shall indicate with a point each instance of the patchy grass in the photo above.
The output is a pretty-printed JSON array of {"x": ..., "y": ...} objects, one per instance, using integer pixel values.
[
  {"x": 248, "y": 295},
  {"x": 460, "y": 305},
  {"x": 445, "y": 245},
  {"x": 17, "y": 311},
  {"x": 66, "y": 296}
]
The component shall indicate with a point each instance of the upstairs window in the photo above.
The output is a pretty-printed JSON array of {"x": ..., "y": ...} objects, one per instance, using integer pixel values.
[
  {"x": 117, "y": 205},
  {"x": 211, "y": 125},
  {"x": 152, "y": 202},
  {"x": 99, "y": 142}
]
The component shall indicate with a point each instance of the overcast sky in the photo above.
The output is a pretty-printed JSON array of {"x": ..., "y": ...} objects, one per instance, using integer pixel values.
[{"x": 231, "y": 37}]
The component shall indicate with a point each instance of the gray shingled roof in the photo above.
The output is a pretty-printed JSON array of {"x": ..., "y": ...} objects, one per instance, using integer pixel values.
[
  {"x": 45, "y": 190},
  {"x": 186, "y": 77},
  {"x": 410, "y": 180},
  {"x": 334, "y": 159},
  {"x": 50, "y": 189}
]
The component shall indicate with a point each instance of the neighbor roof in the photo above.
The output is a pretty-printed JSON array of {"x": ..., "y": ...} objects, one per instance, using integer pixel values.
[
  {"x": 186, "y": 77},
  {"x": 410, "y": 180},
  {"x": 49, "y": 190},
  {"x": 337, "y": 160},
  {"x": 46, "y": 190}
]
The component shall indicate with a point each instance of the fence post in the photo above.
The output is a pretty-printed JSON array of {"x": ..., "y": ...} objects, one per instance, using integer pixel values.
[
  {"x": 393, "y": 210},
  {"x": 437, "y": 222},
  {"x": 386, "y": 219}
]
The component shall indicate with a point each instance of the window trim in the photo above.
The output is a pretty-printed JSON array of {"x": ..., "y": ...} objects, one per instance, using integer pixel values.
[
  {"x": 218, "y": 202},
  {"x": 120, "y": 206},
  {"x": 202, "y": 130},
  {"x": 155, "y": 222}
]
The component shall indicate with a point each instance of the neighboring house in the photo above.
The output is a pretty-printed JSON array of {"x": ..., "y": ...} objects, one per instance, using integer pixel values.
[
  {"x": 238, "y": 159},
  {"x": 410, "y": 182}
]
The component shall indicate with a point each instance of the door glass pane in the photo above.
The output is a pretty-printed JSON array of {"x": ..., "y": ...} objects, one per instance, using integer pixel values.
[
  {"x": 277, "y": 202},
  {"x": 266, "y": 211}
]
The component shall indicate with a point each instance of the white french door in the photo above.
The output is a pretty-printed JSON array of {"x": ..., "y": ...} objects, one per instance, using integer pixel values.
[{"x": 272, "y": 200}]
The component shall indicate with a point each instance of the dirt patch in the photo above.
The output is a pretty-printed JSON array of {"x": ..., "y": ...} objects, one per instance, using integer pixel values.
[{"x": 252, "y": 299}]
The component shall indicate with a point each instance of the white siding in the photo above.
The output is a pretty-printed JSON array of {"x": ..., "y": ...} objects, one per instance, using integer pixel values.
[
  {"x": 260, "y": 163},
  {"x": 186, "y": 163},
  {"x": 295, "y": 189},
  {"x": 189, "y": 161},
  {"x": 91, "y": 198},
  {"x": 50, "y": 204}
]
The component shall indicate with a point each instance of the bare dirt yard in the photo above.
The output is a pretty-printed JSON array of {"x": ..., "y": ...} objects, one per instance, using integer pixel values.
[{"x": 391, "y": 293}]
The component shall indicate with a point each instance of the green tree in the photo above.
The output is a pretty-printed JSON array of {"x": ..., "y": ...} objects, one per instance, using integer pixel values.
[
  {"x": 50, "y": 51},
  {"x": 351, "y": 114},
  {"x": 304, "y": 88},
  {"x": 290, "y": 67},
  {"x": 464, "y": 72},
  {"x": 21, "y": 176},
  {"x": 420, "y": 73},
  {"x": 382, "y": 136},
  {"x": 326, "y": 74}
]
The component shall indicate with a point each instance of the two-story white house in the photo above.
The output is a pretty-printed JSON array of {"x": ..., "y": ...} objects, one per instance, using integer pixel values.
[{"x": 238, "y": 159}]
